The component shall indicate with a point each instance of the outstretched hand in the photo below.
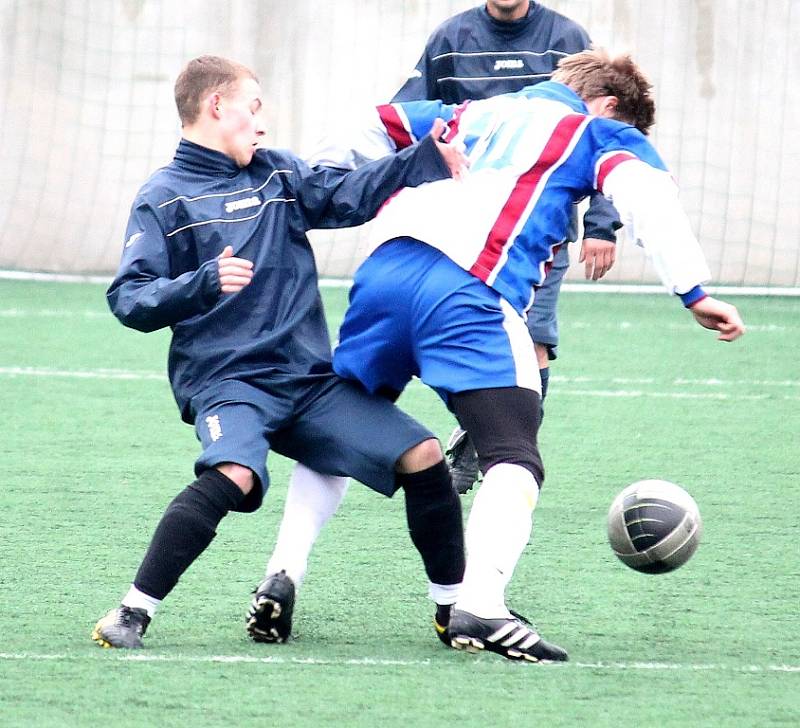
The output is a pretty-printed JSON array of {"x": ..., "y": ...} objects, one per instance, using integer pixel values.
[
  {"x": 598, "y": 257},
  {"x": 718, "y": 316},
  {"x": 234, "y": 273},
  {"x": 453, "y": 155}
]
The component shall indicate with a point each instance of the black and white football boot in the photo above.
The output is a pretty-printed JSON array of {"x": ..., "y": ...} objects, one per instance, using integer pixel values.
[
  {"x": 512, "y": 637},
  {"x": 122, "y": 627},
  {"x": 269, "y": 618}
]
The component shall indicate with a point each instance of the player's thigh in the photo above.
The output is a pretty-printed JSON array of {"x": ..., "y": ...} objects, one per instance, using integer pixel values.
[{"x": 345, "y": 430}]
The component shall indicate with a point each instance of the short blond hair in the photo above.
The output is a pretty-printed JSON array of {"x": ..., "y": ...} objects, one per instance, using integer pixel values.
[
  {"x": 201, "y": 76},
  {"x": 594, "y": 73}
]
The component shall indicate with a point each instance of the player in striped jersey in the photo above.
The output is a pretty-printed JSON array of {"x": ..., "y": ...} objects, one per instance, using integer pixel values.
[
  {"x": 451, "y": 275},
  {"x": 500, "y": 47}
]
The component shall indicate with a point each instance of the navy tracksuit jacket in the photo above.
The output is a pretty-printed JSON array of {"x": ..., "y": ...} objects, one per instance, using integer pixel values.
[{"x": 274, "y": 329}]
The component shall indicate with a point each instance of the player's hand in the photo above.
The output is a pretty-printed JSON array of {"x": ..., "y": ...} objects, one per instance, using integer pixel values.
[
  {"x": 718, "y": 316},
  {"x": 598, "y": 257},
  {"x": 234, "y": 273},
  {"x": 453, "y": 155}
]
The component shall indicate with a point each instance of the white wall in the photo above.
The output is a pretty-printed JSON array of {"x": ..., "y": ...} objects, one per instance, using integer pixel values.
[{"x": 88, "y": 111}]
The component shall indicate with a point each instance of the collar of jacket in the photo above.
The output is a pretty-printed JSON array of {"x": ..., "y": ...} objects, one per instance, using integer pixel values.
[
  {"x": 513, "y": 28},
  {"x": 196, "y": 158}
]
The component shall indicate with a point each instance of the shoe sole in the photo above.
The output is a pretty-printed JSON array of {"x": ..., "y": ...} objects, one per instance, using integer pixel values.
[
  {"x": 465, "y": 643},
  {"x": 260, "y": 607}
]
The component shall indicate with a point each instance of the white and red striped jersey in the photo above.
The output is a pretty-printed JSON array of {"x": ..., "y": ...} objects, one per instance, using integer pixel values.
[{"x": 532, "y": 154}]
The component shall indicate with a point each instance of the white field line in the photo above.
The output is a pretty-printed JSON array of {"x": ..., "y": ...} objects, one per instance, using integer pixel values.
[
  {"x": 80, "y": 374},
  {"x": 685, "y": 325},
  {"x": 680, "y": 381},
  {"x": 633, "y": 288},
  {"x": 16, "y": 313},
  {"x": 52, "y": 313},
  {"x": 378, "y": 662},
  {"x": 743, "y": 387}
]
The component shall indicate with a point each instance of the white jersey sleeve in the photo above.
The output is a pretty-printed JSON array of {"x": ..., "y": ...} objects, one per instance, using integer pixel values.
[{"x": 647, "y": 201}]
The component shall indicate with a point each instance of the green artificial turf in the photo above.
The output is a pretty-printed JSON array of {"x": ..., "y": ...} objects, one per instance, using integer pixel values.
[{"x": 92, "y": 450}]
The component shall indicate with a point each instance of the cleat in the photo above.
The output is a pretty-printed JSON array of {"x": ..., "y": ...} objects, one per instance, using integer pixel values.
[
  {"x": 122, "y": 627},
  {"x": 440, "y": 621},
  {"x": 269, "y": 618},
  {"x": 512, "y": 637},
  {"x": 462, "y": 461},
  {"x": 468, "y": 644}
]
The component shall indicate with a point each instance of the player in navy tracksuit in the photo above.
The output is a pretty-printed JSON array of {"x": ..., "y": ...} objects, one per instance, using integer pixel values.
[
  {"x": 498, "y": 48},
  {"x": 216, "y": 249}
]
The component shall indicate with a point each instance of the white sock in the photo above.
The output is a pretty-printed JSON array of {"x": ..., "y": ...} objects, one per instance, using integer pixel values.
[
  {"x": 311, "y": 500},
  {"x": 139, "y": 600},
  {"x": 443, "y": 593},
  {"x": 498, "y": 530}
]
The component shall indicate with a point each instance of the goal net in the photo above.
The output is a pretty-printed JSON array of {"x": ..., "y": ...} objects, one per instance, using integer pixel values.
[{"x": 88, "y": 111}]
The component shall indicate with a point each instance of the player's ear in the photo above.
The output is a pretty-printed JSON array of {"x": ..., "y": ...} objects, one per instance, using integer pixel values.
[
  {"x": 603, "y": 106},
  {"x": 213, "y": 101},
  {"x": 610, "y": 104}
]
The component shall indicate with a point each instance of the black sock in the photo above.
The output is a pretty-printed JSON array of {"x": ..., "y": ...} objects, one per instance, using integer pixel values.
[
  {"x": 443, "y": 614},
  {"x": 185, "y": 530},
  {"x": 433, "y": 511}
]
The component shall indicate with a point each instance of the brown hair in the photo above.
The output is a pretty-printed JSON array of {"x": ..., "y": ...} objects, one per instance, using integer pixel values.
[
  {"x": 594, "y": 73},
  {"x": 201, "y": 76}
]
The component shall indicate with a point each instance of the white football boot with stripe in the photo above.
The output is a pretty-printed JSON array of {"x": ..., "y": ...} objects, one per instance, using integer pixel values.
[{"x": 511, "y": 637}]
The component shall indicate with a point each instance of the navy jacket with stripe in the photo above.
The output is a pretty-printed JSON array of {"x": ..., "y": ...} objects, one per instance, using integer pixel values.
[{"x": 274, "y": 329}]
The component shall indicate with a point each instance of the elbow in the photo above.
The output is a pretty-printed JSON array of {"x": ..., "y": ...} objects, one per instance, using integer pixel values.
[
  {"x": 135, "y": 319},
  {"x": 132, "y": 315}
]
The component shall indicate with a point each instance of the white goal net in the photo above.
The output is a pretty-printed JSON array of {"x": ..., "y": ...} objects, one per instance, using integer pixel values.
[{"x": 86, "y": 87}]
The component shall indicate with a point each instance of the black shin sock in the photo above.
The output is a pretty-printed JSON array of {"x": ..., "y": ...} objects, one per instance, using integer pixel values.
[
  {"x": 433, "y": 511},
  {"x": 185, "y": 530}
]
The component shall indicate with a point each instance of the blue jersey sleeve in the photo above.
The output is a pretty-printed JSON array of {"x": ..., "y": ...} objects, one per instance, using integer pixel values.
[
  {"x": 144, "y": 295},
  {"x": 422, "y": 114},
  {"x": 629, "y": 139}
]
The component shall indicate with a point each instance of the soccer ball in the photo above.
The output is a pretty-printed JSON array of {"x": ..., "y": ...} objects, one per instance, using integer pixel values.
[{"x": 654, "y": 526}]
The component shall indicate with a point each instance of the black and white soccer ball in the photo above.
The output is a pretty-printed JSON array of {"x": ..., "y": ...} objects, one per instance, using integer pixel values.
[{"x": 654, "y": 526}]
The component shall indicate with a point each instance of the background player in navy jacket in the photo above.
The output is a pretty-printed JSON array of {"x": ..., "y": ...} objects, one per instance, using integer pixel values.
[
  {"x": 498, "y": 48},
  {"x": 216, "y": 249}
]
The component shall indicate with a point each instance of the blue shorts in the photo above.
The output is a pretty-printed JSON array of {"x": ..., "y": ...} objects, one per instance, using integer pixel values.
[
  {"x": 414, "y": 312},
  {"x": 329, "y": 425},
  {"x": 542, "y": 318}
]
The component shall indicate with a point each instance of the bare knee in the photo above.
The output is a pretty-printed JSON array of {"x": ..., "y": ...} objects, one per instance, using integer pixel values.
[
  {"x": 422, "y": 456},
  {"x": 239, "y": 474}
]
